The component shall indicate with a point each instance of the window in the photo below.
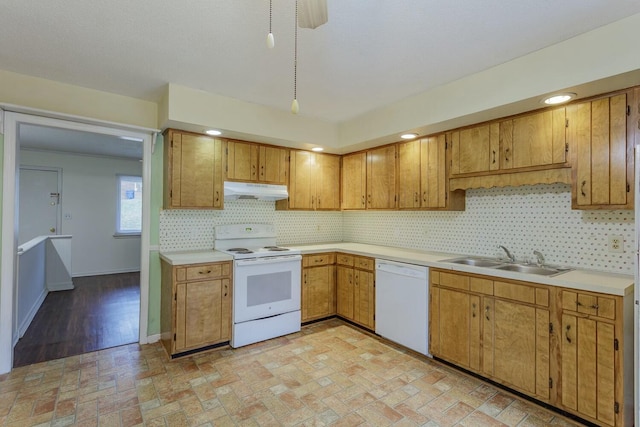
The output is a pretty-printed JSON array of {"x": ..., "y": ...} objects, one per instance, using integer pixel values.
[{"x": 129, "y": 210}]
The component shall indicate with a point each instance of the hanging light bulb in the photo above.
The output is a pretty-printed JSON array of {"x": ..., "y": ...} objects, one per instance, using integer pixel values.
[
  {"x": 270, "y": 40},
  {"x": 294, "y": 105}
]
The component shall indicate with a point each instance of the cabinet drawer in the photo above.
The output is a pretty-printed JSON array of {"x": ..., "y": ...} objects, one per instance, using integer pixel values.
[
  {"x": 454, "y": 281},
  {"x": 344, "y": 259},
  {"x": 363, "y": 263},
  {"x": 594, "y": 305},
  {"x": 515, "y": 292},
  {"x": 202, "y": 271},
  {"x": 481, "y": 286},
  {"x": 320, "y": 259}
]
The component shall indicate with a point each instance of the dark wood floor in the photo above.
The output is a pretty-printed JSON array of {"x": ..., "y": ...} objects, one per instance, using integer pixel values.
[{"x": 101, "y": 312}]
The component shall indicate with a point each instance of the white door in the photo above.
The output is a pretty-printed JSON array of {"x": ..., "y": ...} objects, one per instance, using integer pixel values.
[{"x": 39, "y": 211}]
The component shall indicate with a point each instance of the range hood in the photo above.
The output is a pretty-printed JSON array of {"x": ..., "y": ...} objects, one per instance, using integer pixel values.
[{"x": 249, "y": 190}]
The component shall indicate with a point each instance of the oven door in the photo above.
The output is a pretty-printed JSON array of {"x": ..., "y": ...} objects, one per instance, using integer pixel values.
[{"x": 265, "y": 287}]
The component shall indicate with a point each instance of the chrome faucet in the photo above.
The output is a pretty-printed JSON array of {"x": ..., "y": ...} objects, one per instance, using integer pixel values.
[
  {"x": 539, "y": 257},
  {"x": 509, "y": 255}
]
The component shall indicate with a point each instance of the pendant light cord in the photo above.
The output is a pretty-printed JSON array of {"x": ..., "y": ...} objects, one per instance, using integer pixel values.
[
  {"x": 295, "y": 56},
  {"x": 270, "y": 14}
]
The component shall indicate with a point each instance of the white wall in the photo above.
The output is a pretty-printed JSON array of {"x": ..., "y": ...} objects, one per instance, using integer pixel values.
[{"x": 89, "y": 195}]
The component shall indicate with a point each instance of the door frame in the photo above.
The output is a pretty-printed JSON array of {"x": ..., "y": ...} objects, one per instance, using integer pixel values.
[
  {"x": 13, "y": 118},
  {"x": 59, "y": 206}
]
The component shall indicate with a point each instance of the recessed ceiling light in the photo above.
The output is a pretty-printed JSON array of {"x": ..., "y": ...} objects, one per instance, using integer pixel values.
[
  {"x": 559, "y": 98},
  {"x": 409, "y": 136},
  {"x": 317, "y": 149},
  {"x": 214, "y": 132}
]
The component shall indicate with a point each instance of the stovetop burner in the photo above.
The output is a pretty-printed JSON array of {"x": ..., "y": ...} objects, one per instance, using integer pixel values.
[{"x": 240, "y": 250}]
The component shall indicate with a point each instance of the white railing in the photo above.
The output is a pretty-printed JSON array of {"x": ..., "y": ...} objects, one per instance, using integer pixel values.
[{"x": 44, "y": 264}]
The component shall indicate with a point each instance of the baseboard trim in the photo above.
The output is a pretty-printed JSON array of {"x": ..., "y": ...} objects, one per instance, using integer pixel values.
[
  {"x": 60, "y": 286},
  {"x": 152, "y": 338},
  {"x": 104, "y": 273},
  {"x": 32, "y": 313}
]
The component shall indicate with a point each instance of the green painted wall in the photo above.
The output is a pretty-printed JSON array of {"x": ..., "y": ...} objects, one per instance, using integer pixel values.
[
  {"x": 1, "y": 180},
  {"x": 154, "y": 255}
]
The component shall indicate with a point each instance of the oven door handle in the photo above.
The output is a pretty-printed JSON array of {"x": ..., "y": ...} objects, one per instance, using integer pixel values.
[{"x": 268, "y": 260}]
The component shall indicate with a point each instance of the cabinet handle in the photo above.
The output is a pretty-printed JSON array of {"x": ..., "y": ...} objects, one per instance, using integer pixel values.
[
  {"x": 305, "y": 278},
  {"x": 204, "y": 272},
  {"x": 319, "y": 260},
  {"x": 318, "y": 201},
  {"x": 415, "y": 197},
  {"x": 582, "y": 189},
  {"x": 369, "y": 198},
  {"x": 253, "y": 170},
  {"x": 506, "y": 155},
  {"x": 262, "y": 170},
  {"x": 226, "y": 289},
  {"x": 595, "y": 306},
  {"x": 473, "y": 313},
  {"x": 424, "y": 196},
  {"x": 486, "y": 313},
  {"x": 217, "y": 196},
  {"x": 566, "y": 334},
  {"x": 363, "y": 200},
  {"x": 494, "y": 156}
]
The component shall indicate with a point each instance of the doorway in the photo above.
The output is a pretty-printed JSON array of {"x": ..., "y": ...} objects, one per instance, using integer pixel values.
[
  {"x": 13, "y": 121},
  {"x": 39, "y": 202}
]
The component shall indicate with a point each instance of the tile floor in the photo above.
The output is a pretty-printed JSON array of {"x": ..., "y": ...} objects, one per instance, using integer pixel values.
[{"x": 328, "y": 374}]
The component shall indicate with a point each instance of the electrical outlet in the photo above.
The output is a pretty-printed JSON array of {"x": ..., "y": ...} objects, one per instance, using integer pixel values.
[{"x": 616, "y": 244}]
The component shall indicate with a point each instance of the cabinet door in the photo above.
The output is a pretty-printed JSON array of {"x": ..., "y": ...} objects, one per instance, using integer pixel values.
[
  {"x": 354, "y": 181},
  {"x": 534, "y": 140},
  {"x": 327, "y": 182},
  {"x": 409, "y": 174},
  {"x": 588, "y": 368},
  {"x": 273, "y": 165},
  {"x": 344, "y": 292},
  {"x": 521, "y": 346},
  {"x": 200, "y": 307},
  {"x": 364, "y": 305},
  {"x": 454, "y": 318},
  {"x": 598, "y": 134},
  {"x": 301, "y": 187},
  {"x": 433, "y": 177},
  {"x": 381, "y": 178},
  {"x": 242, "y": 161},
  {"x": 475, "y": 149},
  {"x": 196, "y": 175},
  {"x": 318, "y": 292}
]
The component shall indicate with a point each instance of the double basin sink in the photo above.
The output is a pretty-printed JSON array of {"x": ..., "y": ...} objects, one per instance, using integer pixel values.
[{"x": 497, "y": 264}]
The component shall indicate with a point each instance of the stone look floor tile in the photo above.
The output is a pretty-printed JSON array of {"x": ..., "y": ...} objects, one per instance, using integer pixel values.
[{"x": 330, "y": 373}]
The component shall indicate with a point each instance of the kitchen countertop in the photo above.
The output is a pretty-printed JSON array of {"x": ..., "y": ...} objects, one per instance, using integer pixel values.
[{"x": 587, "y": 280}]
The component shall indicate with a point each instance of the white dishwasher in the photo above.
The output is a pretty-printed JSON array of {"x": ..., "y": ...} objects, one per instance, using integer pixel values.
[{"x": 402, "y": 304}]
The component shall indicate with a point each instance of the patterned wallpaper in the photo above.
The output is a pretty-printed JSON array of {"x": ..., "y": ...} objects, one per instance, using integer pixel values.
[{"x": 523, "y": 219}]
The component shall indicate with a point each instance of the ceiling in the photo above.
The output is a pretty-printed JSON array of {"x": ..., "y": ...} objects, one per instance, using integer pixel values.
[{"x": 370, "y": 54}]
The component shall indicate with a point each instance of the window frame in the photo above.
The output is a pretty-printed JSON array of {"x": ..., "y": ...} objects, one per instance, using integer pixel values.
[{"x": 119, "y": 179}]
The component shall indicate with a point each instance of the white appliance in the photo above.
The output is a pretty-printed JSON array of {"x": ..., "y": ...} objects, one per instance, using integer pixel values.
[
  {"x": 250, "y": 190},
  {"x": 266, "y": 282},
  {"x": 402, "y": 304}
]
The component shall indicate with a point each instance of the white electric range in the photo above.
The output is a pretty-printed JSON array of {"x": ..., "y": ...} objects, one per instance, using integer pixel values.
[{"x": 266, "y": 282}]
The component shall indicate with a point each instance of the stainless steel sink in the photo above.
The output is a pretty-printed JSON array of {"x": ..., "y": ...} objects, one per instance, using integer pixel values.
[
  {"x": 532, "y": 269},
  {"x": 476, "y": 262},
  {"x": 497, "y": 264}
]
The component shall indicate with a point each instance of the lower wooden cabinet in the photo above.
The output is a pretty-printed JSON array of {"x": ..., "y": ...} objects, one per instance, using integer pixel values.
[
  {"x": 560, "y": 346},
  {"x": 318, "y": 286},
  {"x": 355, "y": 289},
  {"x": 195, "y": 305}
]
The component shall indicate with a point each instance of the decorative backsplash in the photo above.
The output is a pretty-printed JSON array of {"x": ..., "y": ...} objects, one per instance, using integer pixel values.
[{"x": 523, "y": 219}]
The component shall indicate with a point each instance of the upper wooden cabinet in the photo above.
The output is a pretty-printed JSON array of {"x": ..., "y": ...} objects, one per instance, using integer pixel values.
[
  {"x": 369, "y": 179},
  {"x": 315, "y": 182},
  {"x": 529, "y": 141},
  {"x": 422, "y": 175},
  {"x": 475, "y": 149},
  {"x": 193, "y": 171},
  {"x": 354, "y": 181},
  {"x": 602, "y": 142},
  {"x": 250, "y": 162}
]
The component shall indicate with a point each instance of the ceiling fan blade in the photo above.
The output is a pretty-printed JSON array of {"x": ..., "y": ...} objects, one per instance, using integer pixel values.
[{"x": 312, "y": 13}]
